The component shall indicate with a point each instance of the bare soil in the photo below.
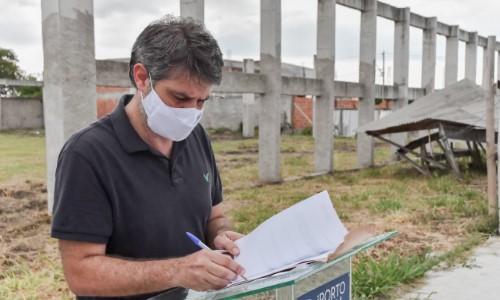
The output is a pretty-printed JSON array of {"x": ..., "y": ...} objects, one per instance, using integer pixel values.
[
  {"x": 24, "y": 223},
  {"x": 25, "y": 226}
]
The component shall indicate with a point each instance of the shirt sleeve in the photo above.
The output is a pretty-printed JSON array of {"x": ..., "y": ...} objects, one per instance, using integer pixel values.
[{"x": 82, "y": 211}]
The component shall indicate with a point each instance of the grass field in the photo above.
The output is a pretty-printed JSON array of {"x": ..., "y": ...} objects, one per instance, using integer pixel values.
[{"x": 439, "y": 218}]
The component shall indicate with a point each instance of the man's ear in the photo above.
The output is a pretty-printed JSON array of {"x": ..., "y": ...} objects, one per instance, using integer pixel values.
[{"x": 141, "y": 77}]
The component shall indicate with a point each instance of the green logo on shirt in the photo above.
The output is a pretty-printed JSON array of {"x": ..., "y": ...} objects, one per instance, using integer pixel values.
[{"x": 206, "y": 176}]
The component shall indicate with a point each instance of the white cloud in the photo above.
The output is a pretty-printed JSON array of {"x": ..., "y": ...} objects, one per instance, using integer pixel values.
[{"x": 236, "y": 26}]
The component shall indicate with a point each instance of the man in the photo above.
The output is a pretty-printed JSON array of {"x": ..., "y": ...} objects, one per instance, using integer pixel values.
[{"x": 131, "y": 185}]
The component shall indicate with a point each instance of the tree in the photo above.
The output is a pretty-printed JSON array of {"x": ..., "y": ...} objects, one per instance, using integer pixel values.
[{"x": 9, "y": 69}]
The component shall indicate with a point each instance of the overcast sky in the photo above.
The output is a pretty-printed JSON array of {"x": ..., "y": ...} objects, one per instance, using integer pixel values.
[{"x": 235, "y": 24}]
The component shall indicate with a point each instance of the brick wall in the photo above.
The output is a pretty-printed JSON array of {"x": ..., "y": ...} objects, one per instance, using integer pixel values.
[
  {"x": 302, "y": 109},
  {"x": 302, "y": 112},
  {"x": 107, "y": 98}
]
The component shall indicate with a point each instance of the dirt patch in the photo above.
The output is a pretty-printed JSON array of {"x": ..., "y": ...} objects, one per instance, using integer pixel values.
[{"x": 24, "y": 223}]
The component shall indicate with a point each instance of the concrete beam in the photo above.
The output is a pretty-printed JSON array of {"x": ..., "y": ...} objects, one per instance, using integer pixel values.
[
  {"x": 15, "y": 82},
  {"x": 241, "y": 83},
  {"x": 418, "y": 21},
  {"x": 348, "y": 89},
  {"x": 471, "y": 57},
  {"x": 269, "y": 105},
  {"x": 387, "y": 11},
  {"x": 112, "y": 73},
  {"x": 294, "y": 86},
  {"x": 463, "y": 35},
  {"x": 248, "y": 103},
  {"x": 69, "y": 90},
  {"x": 325, "y": 69},
  {"x": 354, "y": 4},
  {"x": 429, "y": 55},
  {"x": 194, "y": 9},
  {"x": 366, "y": 108},
  {"x": 482, "y": 41}
]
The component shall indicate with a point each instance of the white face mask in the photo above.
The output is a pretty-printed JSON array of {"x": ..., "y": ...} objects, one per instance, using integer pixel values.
[{"x": 169, "y": 122}]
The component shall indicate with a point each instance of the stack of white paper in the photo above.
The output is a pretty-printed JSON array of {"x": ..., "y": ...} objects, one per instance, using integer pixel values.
[{"x": 302, "y": 232}]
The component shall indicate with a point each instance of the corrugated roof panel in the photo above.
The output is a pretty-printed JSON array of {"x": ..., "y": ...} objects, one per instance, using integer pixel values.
[{"x": 461, "y": 103}]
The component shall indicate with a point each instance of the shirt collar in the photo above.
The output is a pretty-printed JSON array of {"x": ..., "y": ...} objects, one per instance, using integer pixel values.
[{"x": 128, "y": 137}]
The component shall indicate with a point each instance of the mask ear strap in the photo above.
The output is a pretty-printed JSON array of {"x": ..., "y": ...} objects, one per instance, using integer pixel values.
[{"x": 150, "y": 81}]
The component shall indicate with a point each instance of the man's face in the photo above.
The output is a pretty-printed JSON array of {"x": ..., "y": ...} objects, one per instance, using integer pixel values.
[{"x": 183, "y": 92}]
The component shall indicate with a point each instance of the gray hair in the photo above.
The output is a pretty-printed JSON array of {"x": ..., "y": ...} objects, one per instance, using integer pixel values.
[{"x": 172, "y": 47}]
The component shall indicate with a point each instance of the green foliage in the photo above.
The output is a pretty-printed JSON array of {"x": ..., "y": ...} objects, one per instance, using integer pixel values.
[
  {"x": 372, "y": 278},
  {"x": 388, "y": 205},
  {"x": 9, "y": 69},
  {"x": 297, "y": 161},
  {"x": 371, "y": 172},
  {"x": 29, "y": 91},
  {"x": 307, "y": 131}
]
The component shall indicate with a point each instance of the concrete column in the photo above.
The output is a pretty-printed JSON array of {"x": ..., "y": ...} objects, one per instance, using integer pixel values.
[
  {"x": 401, "y": 67},
  {"x": 269, "y": 105},
  {"x": 498, "y": 70},
  {"x": 194, "y": 9},
  {"x": 366, "y": 108},
  {"x": 489, "y": 64},
  {"x": 325, "y": 69},
  {"x": 429, "y": 55},
  {"x": 451, "y": 62},
  {"x": 248, "y": 104},
  {"x": 69, "y": 75},
  {"x": 471, "y": 57},
  {"x": 488, "y": 80},
  {"x": 488, "y": 58}
]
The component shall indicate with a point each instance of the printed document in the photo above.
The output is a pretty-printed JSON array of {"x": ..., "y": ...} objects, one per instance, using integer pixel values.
[{"x": 306, "y": 231}]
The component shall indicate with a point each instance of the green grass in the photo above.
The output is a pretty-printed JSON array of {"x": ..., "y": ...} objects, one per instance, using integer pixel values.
[
  {"x": 22, "y": 281},
  {"x": 394, "y": 196},
  {"x": 372, "y": 278},
  {"x": 22, "y": 156}
]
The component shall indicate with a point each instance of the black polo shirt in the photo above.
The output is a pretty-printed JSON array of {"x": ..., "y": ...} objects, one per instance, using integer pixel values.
[{"x": 112, "y": 188}]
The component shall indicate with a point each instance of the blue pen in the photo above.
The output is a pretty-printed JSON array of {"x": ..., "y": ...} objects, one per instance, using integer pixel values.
[
  {"x": 197, "y": 241},
  {"x": 200, "y": 244}
]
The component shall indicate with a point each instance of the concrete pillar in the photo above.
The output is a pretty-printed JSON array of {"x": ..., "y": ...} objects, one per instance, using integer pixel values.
[
  {"x": 194, "y": 9},
  {"x": 488, "y": 80},
  {"x": 366, "y": 108},
  {"x": 429, "y": 55},
  {"x": 471, "y": 57},
  {"x": 325, "y": 69},
  {"x": 248, "y": 104},
  {"x": 401, "y": 67},
  {"x": 69, "y": 75},
  {"x": 451, "y": 61},
  {"x": 498, "y": 73},
  {"x": 489, "y": 64},
  {"x": 269, "y": 105}
]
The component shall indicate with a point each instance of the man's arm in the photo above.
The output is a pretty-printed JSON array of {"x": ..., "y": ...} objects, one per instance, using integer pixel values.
[
  {"x": 219, "y": 234},
  {"x": 89, "y": 272}
]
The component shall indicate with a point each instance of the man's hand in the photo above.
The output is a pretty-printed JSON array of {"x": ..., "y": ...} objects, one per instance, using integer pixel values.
[
  {"x": 207, "y": 270},
  {"x": 225, "y": 240}
]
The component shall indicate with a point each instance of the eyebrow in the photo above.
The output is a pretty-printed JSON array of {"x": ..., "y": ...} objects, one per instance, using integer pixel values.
[{"x": 186, "y": 96}]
